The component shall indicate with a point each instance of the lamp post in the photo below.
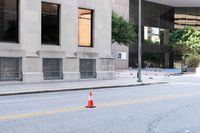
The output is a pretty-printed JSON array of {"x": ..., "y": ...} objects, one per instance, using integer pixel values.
[{"x": 139, "y": 76}]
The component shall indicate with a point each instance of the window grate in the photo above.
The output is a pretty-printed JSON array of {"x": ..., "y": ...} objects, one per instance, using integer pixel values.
[
  {"x": 52, "y": 69},
  {"x": 10, "y": 69},
  {"x": 88, "y": 68}
]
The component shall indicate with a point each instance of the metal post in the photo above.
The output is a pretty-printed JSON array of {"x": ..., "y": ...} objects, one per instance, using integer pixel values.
[{"x": 139, "y": 42}]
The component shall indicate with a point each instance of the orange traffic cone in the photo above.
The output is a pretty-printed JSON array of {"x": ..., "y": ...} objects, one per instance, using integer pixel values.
[{"x": 90, "y": 102}]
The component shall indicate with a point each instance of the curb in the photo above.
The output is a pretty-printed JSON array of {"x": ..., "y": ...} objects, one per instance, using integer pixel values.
[{"x": 77, "y": 89}]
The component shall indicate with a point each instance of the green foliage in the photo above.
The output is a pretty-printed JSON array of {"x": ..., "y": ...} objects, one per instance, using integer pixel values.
[
  {"x": 150, "y": 42},
  {"x": 192, "y": 61},
  {"x": 123, "y": 31},
  {"x": 186, "y": 40},
  {"x": 151, "y": 59}
]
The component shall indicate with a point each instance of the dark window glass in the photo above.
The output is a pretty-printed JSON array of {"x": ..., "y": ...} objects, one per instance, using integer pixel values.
[
  {"x": 52, "y": 68},
  {"x": 147, "y": 10},
  {"x": 88, "y": 68},
  {"x": 50, "y": 24},
  {"x": 9, "y": 20},
  {"x": 85, "y": 27},
  {"x": 10, "y": 69},
  {"x": 167, "y": 17},
  {"x": 158, "y": 21}
]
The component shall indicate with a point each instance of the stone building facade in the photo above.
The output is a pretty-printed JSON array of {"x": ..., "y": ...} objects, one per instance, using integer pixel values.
[{"x": 30, "y": 52}]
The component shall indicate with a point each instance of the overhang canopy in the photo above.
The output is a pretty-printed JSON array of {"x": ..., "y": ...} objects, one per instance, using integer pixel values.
[{"x": 178, "y": 3}]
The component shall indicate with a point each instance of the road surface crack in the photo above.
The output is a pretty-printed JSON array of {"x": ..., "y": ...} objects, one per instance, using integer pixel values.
[{"x": 153, "y": 124}]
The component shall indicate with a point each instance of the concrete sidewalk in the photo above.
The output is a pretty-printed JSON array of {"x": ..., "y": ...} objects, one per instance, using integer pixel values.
[
  {"x": 124, "y": 78},
  {"x": 16, "y": 89}
]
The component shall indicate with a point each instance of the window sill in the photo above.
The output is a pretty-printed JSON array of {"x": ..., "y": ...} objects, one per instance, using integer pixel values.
[
  {"x": 49, "y": 44},
  {"x": 85, "y": 47},
  {"x": 15, "y": 43}
]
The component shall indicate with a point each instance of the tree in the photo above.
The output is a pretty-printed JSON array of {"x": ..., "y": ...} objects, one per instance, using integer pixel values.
[
  {"x": 186, "y": 40},
  {"x": 123, "y": 31}
]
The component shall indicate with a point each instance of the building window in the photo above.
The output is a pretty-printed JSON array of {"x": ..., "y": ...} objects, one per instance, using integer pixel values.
[
  {"x": 52, "y": 68},
  {"x": 85, "y": 28},
  {"x": 88, "y": 68},
  {"x": 154, "y": 35},
  {"x": 9, "y": 21},
  {"x": 151, "y": 35},
  {"x": 10, "y": 69},
  {"x": 50, "y": 23}
]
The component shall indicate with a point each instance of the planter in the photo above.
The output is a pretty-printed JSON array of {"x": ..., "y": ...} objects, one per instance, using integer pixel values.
[{"x": 191, "y": 69}]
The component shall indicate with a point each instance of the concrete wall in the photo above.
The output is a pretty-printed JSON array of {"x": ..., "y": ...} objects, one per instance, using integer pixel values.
[
  {"x": 120, "y": 64},
  {"x": 32, "y": 52},
  {"x": 122, "y": 8}
]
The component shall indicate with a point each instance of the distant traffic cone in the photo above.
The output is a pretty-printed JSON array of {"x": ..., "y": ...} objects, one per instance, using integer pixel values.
[{"x": 90, "y": 102}]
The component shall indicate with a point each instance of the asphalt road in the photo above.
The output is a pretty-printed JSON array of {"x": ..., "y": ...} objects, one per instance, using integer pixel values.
[{"x": 167, "y": 108}]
